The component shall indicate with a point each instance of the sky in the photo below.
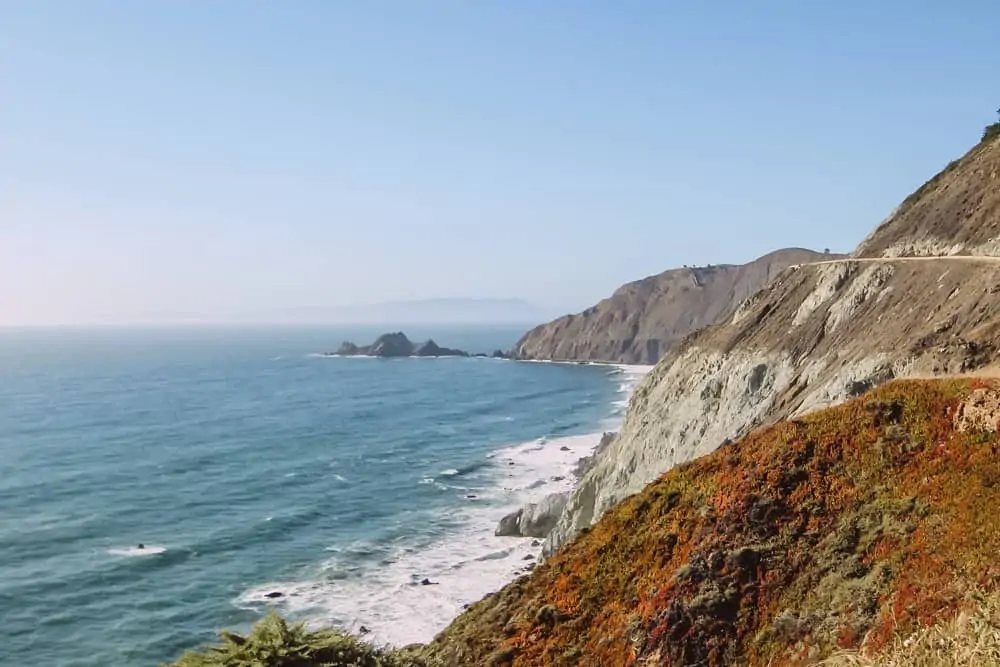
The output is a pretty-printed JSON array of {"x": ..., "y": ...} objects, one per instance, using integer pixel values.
[{"x": 205, "y": 158}]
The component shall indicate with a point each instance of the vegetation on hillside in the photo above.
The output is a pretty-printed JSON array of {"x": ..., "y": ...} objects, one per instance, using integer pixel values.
[
  {"x": 846, "y": 528},
  {"x": 275, "y": 643},
  {"x": 993, "y": 130},
  {"x": 972, "y": 637}
]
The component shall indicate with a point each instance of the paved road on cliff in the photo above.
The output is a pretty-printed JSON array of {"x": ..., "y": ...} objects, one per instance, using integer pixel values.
[{"x": 873, "y": 260}]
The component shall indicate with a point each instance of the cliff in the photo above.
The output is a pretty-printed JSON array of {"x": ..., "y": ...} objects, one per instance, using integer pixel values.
[
  {"x": 643, "y": 319},
  {"x": 860, "y": 523},
  {"x": 816, "y": 335}
]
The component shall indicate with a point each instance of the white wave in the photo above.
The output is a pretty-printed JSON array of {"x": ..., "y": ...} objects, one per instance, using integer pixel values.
[
  {"x": 388, "y": 598},
  {"x": 326, "y": 355},
  {"x": 146, "y": 550},
  {"x": 450, "y": 472}
]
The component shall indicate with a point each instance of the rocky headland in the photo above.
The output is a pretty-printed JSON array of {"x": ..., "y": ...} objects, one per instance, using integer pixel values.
[{"x": 644, "y": 319}]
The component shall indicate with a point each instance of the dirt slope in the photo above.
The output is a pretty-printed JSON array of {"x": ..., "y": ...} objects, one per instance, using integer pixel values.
[{"x": 643, "y": 319}]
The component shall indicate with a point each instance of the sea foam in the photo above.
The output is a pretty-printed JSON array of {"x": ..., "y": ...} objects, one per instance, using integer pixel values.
[{"x": 414, "y": 593}]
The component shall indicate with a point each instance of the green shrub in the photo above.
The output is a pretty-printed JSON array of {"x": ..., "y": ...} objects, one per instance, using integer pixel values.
[
  {"x": 273, "y": 642},
  {"x": 991, "y": 131}
]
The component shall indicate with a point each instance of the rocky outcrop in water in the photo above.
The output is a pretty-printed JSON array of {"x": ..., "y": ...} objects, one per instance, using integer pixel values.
[
  {"x": 534, "y": 519},
  {"x": 397, "y": 345}
]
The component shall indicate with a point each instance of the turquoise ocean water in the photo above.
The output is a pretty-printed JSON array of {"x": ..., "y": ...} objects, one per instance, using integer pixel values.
[{"x": 250, "y": 466}]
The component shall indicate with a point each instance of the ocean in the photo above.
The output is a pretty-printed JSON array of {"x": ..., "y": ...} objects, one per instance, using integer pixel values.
[{"x": 258, "y": 473}]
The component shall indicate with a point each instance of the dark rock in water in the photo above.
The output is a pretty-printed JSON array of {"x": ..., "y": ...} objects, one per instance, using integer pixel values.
[
  {"x": 480, "y": 355},
  {"x": 349, "y": 349},
  {"x": 564, "y": 448},
  {"x": 558, "y": 478},
  {"x": 432, "y": 349},
  {"x": 536, "y": 543},
  {"x": 428, "y": 582},
  {"x": 466, "y": 605},
  {"x": 274, "y": 594},
  {"x": 391, "y": 345},
  {"x": 510, "y": 463},
  {"x": 363, "y": 630},
  {"x": 529, "y": 567},
  {"x": 500, "y": 354},
  {"x": 509, "y": 526},
  {"x": 471, "y": 496},
  {"x": 528, "y": 557}
]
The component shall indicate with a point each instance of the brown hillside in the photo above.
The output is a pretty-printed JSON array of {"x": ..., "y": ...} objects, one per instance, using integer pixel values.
[
  {"x": 643, "y": 319},
  {"x": 956, "y": 212},
  {"x": 809, "y": 536}
]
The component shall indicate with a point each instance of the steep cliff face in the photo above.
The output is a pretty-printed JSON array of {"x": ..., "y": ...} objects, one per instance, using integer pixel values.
[
  {"x": 641, "y": 321},
  {"x": 817, "y": 334},
  {"x": 860, "y": 523}
]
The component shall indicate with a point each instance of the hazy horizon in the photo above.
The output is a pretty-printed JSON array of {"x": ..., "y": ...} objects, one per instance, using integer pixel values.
[
  {"x": 418, "y": 312},
  {"x": 213, "y": 159}
]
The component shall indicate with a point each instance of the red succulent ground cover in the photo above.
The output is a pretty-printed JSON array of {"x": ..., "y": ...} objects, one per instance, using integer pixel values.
[{"x": 841, "y": 527}]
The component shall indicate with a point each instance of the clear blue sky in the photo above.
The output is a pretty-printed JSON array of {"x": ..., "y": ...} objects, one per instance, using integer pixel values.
[{"x": 213, "y": 157}]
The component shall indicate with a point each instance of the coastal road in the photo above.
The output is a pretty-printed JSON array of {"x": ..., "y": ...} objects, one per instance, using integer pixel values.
[{"x": 988, "y": 259}]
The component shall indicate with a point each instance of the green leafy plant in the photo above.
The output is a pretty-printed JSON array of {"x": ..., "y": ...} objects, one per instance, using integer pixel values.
[{"x": 273, "y": 642}]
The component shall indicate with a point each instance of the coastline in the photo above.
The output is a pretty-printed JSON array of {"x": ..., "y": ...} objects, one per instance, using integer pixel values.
[{"x": 391, "y": 605}]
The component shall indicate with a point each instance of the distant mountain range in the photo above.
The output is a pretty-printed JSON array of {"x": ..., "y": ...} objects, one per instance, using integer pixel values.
[{"x": 426, "y": 311}]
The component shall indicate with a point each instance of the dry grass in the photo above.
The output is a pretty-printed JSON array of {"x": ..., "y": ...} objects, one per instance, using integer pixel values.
[{"x": 970, "y": 638}]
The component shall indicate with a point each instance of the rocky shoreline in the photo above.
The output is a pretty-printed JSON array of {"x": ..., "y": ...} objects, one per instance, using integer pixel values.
[{"x": 538, "y": 519}]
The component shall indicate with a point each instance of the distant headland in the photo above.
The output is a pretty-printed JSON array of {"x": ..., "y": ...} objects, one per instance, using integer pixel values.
[{"x": 398, "y": 345}]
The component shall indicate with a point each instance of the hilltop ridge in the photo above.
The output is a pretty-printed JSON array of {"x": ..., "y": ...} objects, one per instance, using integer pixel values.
[{"x": 643, "y": 319}]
